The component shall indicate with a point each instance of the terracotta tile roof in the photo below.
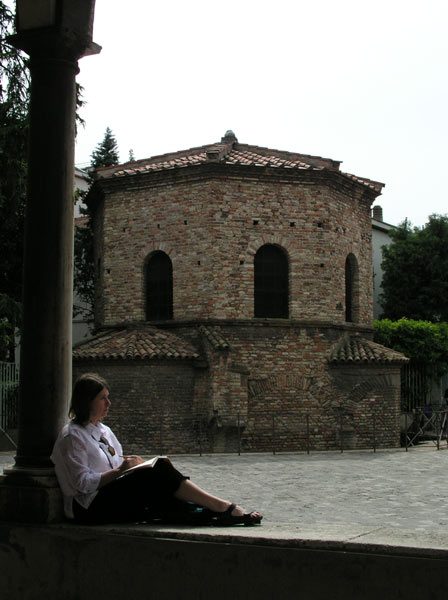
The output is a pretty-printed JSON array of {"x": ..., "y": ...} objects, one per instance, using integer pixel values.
[
  {"x": 230, "y": 152},
  {"x": 135, "y": 344},
  {"x": 215, "y": 337},
  {"x": 357, "y": 350},
  {"x": 374, "y": 185}
]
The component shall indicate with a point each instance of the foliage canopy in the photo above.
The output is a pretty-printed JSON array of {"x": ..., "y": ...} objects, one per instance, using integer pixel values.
[
  {"x": 421, "y": 341},
  {"x": 105, "y": 155},
  {"x": 14, "y": 100},
  {"x": 415, "y": 272},
  {"x": 106, "y": 152},
  {"x": 15, "y": 83}
]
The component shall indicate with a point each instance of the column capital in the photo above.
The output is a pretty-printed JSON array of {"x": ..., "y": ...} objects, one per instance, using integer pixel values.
[{"x": 54, "y": 44}]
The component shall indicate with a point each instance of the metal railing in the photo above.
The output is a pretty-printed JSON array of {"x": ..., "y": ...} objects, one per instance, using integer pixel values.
[
  {"x": 260, "y": 429},
  {"x": 9, "y": 394},
  {"x": 416, "y": 385},
  {"x": 292, "y": 430},
  {"x": 426, "y": 424}
]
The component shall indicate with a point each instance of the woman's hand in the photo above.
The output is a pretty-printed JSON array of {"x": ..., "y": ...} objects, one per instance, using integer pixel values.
[{"x": 130, "y": 461}]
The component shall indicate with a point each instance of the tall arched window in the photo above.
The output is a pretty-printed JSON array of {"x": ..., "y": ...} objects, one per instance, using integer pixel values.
[
  {"x": 271, "y": 283},
  {"x": 159, "y": 287},
  {"x": 351, "y": 289}
]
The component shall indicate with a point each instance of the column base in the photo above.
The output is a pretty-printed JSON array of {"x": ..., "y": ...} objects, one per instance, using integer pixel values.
[{"x": 29, "y": 497}]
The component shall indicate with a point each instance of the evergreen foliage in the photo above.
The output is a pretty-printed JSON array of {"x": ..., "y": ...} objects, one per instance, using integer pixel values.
[
  {"x": 105, "y": 155},
  {"x": 14, "y": 100},
  {"x": 14, "y": 126},
  {"x": 415, "y": 272}
]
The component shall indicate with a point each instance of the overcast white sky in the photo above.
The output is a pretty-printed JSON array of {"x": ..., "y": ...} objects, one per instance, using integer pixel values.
[{"x": 361, "y": 82}]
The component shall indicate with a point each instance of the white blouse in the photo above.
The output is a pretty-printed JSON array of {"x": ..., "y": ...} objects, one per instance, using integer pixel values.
[{"x": 81, "y": 455}]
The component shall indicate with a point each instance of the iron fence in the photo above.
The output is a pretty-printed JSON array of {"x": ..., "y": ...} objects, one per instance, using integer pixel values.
[
  {"x": 293, "y": 430},
  {"x": 9, "y": 386},
  {"x": 268, "y": 429},
  {"x": 416, "y": 385},
  {"x": 426, "y": 424}
]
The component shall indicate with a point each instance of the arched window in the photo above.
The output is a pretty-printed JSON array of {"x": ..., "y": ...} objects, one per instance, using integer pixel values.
[
  {"x": 271, "y": 281},
  {"x": 159, "y": 287},
  {"x": 351, "y": 289}
]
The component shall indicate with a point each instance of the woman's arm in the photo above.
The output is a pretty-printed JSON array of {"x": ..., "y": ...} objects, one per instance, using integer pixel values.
[
  {"x": 112, "y": 474},
  {"x": 108, "y": 477}
]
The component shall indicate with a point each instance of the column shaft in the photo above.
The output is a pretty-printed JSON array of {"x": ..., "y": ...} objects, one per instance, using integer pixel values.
[{"x": 46, "y": 345}]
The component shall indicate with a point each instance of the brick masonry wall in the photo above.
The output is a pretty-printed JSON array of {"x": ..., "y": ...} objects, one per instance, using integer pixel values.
[
  {"x": 152, "y": 404},
  {"x": 275, "y": 383},
  {"x": 273, "y": 386},
  {"x": 211, "y": 230},
  {"x": 273, "y": 390}
]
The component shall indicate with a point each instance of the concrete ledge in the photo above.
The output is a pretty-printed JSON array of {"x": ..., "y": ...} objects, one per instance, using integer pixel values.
[{"x": 271, "y": 561}]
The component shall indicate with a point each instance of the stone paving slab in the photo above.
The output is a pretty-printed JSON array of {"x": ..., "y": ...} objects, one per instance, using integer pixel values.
[{"x": 376, "y": 492}]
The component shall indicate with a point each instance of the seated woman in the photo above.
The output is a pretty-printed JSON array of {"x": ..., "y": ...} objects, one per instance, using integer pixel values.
[{"x": 89, "y": 465}]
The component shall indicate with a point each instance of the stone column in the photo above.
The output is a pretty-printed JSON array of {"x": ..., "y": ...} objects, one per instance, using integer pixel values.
[
  {"x": 45, "y": 360},
  {"x": 29, "y": 491}
]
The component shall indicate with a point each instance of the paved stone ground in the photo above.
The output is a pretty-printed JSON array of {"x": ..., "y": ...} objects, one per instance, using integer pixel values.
[{"x": 406, "y": 490}]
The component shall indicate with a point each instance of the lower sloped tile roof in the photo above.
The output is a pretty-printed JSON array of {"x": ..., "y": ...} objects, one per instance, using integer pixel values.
[
  {"x": 358, "y": 350},
  {"x": 135, "y": 344},
  {"x": 215, "y": 337}
]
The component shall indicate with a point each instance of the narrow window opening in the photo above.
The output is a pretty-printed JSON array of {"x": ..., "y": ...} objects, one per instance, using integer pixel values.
[
  {"x": 351, "y": 289},
  {"x": 159, "y": 287},
  {"x": 271, "y": 283}
]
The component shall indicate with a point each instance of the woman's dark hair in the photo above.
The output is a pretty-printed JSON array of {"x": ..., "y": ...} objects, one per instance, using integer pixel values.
[{"x": 86, "y": 389}]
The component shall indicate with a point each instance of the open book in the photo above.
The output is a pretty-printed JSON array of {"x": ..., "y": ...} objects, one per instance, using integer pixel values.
[{"x": 148, "y": 464}]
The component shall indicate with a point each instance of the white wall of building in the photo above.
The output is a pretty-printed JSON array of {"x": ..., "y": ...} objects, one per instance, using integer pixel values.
[{"x": 380, "y": 237}]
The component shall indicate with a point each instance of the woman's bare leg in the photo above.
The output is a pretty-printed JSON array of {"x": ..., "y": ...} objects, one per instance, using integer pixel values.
[{"x": 190, "y": 492}]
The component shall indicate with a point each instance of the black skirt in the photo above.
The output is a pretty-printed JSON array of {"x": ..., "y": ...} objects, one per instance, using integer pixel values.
[{"x": 144, "y": 494}]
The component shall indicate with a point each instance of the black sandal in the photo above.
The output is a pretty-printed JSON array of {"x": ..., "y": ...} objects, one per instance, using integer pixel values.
[{"x": 226, "y": 518}]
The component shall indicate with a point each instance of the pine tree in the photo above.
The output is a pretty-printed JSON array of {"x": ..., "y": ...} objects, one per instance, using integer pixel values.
[
  {"x": 15, "y": 83},
  {"x": 14, "y": 101},
  {"x": 105, "y": 155}
]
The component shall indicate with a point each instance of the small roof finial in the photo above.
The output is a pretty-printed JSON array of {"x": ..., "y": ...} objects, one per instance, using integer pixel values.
[{"x": 229, "y": 137}]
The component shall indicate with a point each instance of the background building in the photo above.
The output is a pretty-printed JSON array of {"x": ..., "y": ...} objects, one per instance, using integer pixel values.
[
  {"x": 380, "y": 238},
  {"x": 234, "y": 291}
]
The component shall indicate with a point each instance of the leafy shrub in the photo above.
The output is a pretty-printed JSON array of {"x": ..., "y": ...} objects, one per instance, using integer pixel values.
[{"x": 421, "y": 341}]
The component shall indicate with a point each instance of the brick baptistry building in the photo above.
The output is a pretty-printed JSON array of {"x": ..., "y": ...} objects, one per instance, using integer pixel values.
[{"x": 234, "y": 303}]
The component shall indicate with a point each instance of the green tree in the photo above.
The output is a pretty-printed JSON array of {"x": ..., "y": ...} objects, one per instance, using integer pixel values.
[
  {"x": 105, "y": 155},
  {"x": 415, "y": 272},
  {"x": 14, "y": 126},
  {"x": 14, "y": 101},
  {"x": 106, "y": 152}
]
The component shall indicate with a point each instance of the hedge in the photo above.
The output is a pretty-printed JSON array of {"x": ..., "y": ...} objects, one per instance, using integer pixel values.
[{"x": 421, "y": 341}]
